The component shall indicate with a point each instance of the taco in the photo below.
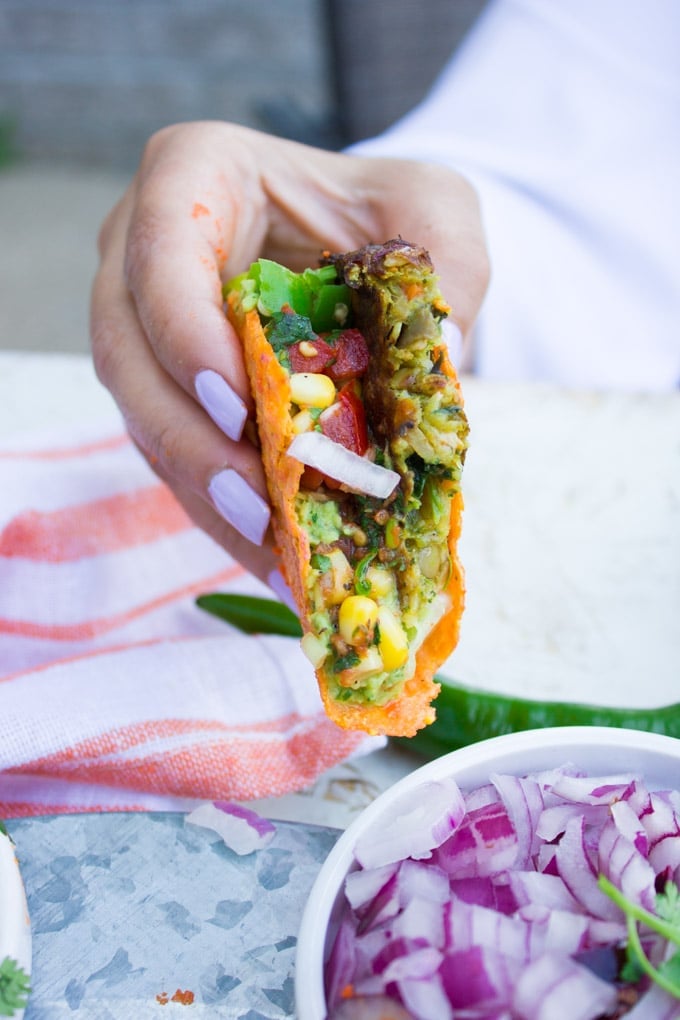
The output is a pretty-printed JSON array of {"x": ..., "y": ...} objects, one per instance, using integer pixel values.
[{"x": 363, "y": 438}]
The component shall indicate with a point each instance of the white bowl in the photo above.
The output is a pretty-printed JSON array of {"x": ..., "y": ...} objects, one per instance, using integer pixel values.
[
  {"x": 15, "y": 929},
  {"x": 598, "y": 750}
]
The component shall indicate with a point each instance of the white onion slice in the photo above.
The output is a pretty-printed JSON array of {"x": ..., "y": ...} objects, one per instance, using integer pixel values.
[
  {"x": 243, "y": 830},
  {"x": 318, "y": 451}
]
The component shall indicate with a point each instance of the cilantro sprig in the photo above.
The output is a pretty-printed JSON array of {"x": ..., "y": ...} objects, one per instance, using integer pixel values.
[
  {"x": 14, "y": 987},
  {"x": 666, "y": 922}
]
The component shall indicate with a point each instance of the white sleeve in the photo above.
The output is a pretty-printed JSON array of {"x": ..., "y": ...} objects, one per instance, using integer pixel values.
[{"x": 566, "y": 119}]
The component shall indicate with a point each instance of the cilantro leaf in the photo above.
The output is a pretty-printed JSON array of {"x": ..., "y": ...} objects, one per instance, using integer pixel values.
[
  {"x": 668, "y": 904},
  {"x": 14, "y": 987},
  {"x": 670, "y": 970},
  {"x": 666, "y": 924},
  {"x": 286, "y": 328},
  {"x": 348, "y": 661}
]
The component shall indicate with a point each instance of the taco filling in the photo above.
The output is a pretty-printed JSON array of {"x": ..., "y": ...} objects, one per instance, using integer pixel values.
[{"x": 375, "y": 414}]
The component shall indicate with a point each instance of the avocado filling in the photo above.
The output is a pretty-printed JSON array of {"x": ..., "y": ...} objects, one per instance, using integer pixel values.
[{"x": 362, "y": 344}]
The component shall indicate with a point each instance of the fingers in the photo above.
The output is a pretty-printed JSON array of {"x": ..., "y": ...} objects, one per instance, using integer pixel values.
[
  {"x": 183, "y": 223},
  {"x": 207, "y": 201},
  {"x": 438, "y": 209},
  {"x": 178, "y": 438},
  {"x": 342, "y": 202}
]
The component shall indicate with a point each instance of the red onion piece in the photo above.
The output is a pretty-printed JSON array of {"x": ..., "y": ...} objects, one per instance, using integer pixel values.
[
  {"x": 358, "y": 473},
  {"x": 243, "y": 830},
  {"x": 655, "y": 1005},
  {"x": 479, "y": 976},
  {"x": 553, "y": 986},
  {"x": 420, "y": 821},
  {"x": 484, "y": 844},
  {"x": 578, "y": 873},
  {"x": 491, "y": 922},
  {"x": 524, "y": 802},
  {"x": 626, "y": 867},
  {"x": 425, "y": 999}
]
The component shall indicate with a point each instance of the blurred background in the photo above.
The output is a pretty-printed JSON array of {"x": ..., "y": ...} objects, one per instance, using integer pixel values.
[{"x": 84, "y": 83}]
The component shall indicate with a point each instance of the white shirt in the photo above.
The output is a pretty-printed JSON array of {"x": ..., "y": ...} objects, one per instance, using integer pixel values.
[{"x": 565, "y": 115}]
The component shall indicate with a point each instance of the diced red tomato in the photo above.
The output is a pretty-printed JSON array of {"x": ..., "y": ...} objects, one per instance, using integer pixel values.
[
  {"x": 345, "y": 421},
  {"x": 318, "y": 362},
  {"x": 351, "y": 357}
]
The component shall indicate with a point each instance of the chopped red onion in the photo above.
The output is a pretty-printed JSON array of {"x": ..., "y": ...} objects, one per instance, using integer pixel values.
[
  {"x": 485, "y": 844},
  {"x": 426, "y": 999},
  {"x": 358, "y": 473},
  {"x": 524, "y": 803},
  {"x": 421, "y": 820},
  {"x": 479, "y": 976},
  {"x": 487, "y": 907},
  {"x": 629, "y": 825},
  {"x": 626, "y": 867},
  {"x": 554, "y": 986},
  {"x": 243, "y": 830},
  {"x": 655, "y": 1005},
  {"x": 578, "y": 873}
]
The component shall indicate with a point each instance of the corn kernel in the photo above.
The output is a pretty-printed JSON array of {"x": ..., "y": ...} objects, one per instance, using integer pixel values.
[
  {"x": 302, "y": 422},
  {"x": 382, "y": 582},
  {"x": 307, "y": 350},
  {"x": 311, "y": 389},
  {"x": 357, "y": 617},
  {"x": 393, "y": 643}
]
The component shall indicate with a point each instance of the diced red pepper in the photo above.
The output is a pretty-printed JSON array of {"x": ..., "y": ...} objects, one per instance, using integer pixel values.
[
  {"x": 311, "y": 478},
  {"x": 345, "y": 421},
  {"x": 351, "y": 357},
  {"x": 318, "y": 362}
]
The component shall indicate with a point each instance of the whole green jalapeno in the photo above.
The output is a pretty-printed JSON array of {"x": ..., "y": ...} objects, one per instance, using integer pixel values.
[{"x": 465, "y": 715}]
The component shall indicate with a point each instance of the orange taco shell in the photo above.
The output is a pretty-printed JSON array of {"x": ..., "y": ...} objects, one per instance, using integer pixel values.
[{"x": 412, "y": 709}]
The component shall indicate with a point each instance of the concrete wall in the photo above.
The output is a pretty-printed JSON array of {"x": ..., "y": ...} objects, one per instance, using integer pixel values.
[{"x": 88, "y": 80}]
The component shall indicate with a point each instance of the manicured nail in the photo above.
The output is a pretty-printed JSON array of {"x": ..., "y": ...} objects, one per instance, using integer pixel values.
[
  {"x": 240, "y": 505},
  {"x": 224, "y": 406},
  {"x": 278, "y": 585},
  {"x": 454, "y": 340}
]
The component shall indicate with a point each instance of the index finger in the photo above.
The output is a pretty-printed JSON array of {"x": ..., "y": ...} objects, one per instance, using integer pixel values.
[{"x": 177, "y": 248}]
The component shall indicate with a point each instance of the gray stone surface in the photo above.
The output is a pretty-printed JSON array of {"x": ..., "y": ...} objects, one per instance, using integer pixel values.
[
  {"x": 126, "y": 909},
  {"x": 49, "y": 220},
  {"x": 90, "y": 80},
  {"x": 85, "y": 82}
]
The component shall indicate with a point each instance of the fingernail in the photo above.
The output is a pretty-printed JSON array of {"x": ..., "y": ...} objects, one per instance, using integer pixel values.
[
  {"x": 240, "y": 505},
  {"x": 278, "y": 585},
  {"x": 224, "y": 406}
]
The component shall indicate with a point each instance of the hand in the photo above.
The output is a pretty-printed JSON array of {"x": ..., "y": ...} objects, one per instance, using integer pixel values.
[{"x": 208, "y": 199}]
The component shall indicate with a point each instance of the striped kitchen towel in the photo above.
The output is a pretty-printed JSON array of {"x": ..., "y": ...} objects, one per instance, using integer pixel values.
[{"x": 116, "y": 691}]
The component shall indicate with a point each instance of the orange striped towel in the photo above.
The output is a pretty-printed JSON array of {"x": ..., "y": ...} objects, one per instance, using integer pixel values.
[{"x": 116, "y": 692}]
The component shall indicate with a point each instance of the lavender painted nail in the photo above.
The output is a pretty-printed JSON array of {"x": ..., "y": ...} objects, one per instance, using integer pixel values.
[
  {"x": 240, "y": 505},
  {"x": 224, "y": 406},
  {"x": 278, "y": 585}
]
